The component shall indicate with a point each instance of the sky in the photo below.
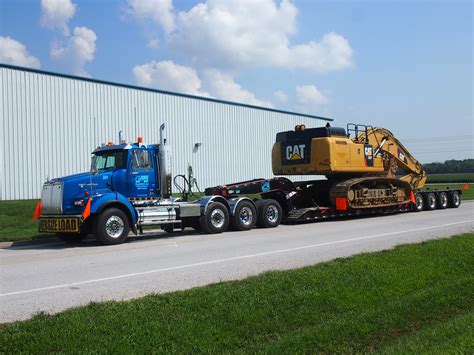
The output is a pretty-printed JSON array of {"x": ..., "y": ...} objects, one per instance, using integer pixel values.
[{"x": 403, "y": 65}]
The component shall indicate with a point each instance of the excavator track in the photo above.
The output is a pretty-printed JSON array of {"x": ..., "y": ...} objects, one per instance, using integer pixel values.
[{"x": 371, "y": 192}]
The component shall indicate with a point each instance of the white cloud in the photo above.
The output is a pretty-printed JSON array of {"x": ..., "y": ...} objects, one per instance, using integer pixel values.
[
  {"x": 14, "y": 52},
  {"x": 223, "y": 86},
  {"x": 160, "y": 11},
  {"x": 57, "y": 13},
  {"x": 232, "y": 34},
  {"x": 168, "y": 75},
  {"x": 79, "y": 49},
  {"x": 333, "y": 52},
  {"x": 308, "y": 97},
  {"x": 153, "y": 43},
  {"x": 281, "y": 96}
]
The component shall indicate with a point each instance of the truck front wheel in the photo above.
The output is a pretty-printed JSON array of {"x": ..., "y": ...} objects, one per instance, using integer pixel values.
[
  {"x": 112, "y": 227},
  {"x": 215, "y": 220}
]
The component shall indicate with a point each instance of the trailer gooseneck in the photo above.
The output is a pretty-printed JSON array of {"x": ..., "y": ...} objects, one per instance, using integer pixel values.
[{"x": 129, "y": 187}]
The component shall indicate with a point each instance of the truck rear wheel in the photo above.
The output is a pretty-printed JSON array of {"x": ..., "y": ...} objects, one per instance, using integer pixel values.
[
  {"x": 215, "y": 220},
  {"x": 442, "y": 200},
  {"x": 112, "y": 227},
  {"x": 269, "y": 213},
  {"x": 454, "y": 199},
  {"x": 430, "y": 201},
  {"x": 245, "y": 216}
]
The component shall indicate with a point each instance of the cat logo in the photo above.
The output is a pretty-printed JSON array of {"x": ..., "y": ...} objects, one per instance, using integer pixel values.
[{"x": 295, "y": 152}]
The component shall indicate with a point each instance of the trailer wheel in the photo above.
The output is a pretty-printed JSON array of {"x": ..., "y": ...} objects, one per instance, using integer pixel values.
[
  {"x": 442, "y": 200},
  {"x": 430, "y": 201},
  {"x": 216, "y": 219},
  {"x": 269, "y": 213},
  {"x": 454, "y": 199},
  {"x": 419, "y": 202},
  {"x": 112, "y": 227},
  {"x": 245, "y": 216}
]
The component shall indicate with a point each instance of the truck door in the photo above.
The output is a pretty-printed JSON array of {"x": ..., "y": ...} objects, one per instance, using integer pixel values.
[{"x": 141, "y": 177}]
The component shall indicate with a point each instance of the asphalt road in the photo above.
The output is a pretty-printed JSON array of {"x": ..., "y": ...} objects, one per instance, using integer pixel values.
[{"x": 52, "y": 276}]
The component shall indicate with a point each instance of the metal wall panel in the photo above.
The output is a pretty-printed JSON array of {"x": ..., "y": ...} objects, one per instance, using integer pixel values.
[{"x": 50, "y": 124}]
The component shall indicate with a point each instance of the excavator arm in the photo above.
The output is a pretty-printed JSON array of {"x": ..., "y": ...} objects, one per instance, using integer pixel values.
[{"x": 394, "y": 155}]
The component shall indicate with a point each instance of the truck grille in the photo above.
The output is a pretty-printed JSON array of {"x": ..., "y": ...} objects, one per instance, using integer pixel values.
[{"x": 52, "y": 198}]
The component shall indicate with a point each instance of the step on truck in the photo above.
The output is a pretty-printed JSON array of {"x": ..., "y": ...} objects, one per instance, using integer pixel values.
[{"x": 128, "y": 187}]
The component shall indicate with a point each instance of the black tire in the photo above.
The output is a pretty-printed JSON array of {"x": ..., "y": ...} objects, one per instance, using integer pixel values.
[
  {"x": 245, "y": 216},
  {"x": 72, "y": 238},
  {"x": 454, "y": 199},
  {"x": 269, "y": 213},
  {"x": 216, "y": 219},
  {"x": 430, "y": 201},
  {"x": 419, "y": 202},
  {"x": 112, "y": 227},
  {"x": 442, "y": 200}
]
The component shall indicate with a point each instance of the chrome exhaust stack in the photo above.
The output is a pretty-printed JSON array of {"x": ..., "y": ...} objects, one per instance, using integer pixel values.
[{"x": 165, "y": 165}]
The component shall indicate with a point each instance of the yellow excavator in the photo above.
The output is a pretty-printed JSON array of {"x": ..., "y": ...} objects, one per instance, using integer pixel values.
[{"x": 361, "y": 164}]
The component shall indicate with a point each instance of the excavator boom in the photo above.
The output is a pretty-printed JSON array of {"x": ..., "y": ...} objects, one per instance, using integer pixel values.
[{"x": 394, "y": 154}]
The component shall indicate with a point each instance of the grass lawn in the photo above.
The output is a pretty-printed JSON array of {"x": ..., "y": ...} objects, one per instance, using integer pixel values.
[
  {"x": 414, "y": 298},
  {"x": 451, "y": 178},
  {"x": 16, "y": 223}
]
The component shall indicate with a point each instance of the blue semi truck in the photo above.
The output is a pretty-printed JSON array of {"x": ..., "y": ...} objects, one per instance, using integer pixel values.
[{"x": 128, "y": 188}]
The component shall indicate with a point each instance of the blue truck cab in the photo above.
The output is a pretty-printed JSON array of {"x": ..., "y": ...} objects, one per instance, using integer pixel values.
[{"x": 128, "y": 187}]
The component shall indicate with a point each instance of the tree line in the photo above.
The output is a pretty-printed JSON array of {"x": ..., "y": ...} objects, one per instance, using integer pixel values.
[{"x": 450, "y": 166}]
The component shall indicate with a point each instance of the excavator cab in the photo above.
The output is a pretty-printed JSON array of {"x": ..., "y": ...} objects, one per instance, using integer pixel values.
[{"x": 324, "y": 151}]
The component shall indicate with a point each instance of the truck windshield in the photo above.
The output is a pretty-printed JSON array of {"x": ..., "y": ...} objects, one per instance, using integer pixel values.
[{"x": 108, "y": 160}]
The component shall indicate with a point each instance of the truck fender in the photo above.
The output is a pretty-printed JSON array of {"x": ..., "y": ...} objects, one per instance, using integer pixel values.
[
  {"x": 114, "y": 199},
  {"x": 207, "y": 200},
  {"x": 234, "y": 203}
]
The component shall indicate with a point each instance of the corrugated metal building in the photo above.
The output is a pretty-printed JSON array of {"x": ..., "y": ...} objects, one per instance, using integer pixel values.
[{"x": 51, "y": 122}]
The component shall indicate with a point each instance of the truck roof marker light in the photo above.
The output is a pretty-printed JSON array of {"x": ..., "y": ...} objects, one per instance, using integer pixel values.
[
  {"x": 139, "y": 140},
  {"x": 109, "y": 143}
]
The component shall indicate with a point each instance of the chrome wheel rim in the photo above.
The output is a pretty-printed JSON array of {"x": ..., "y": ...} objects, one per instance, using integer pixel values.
[
  {"x": 456, "y": 199},
  {"x": 271, "y": 214},
  {"x": 432, "y": 200},
  {"x": 217, "y": 218},
  {"x": 246, "y": 216},
  {"x": 419, "y": 202},
  {"x": 114, "y": 227},
  {"x": 444, "y": 200}
]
